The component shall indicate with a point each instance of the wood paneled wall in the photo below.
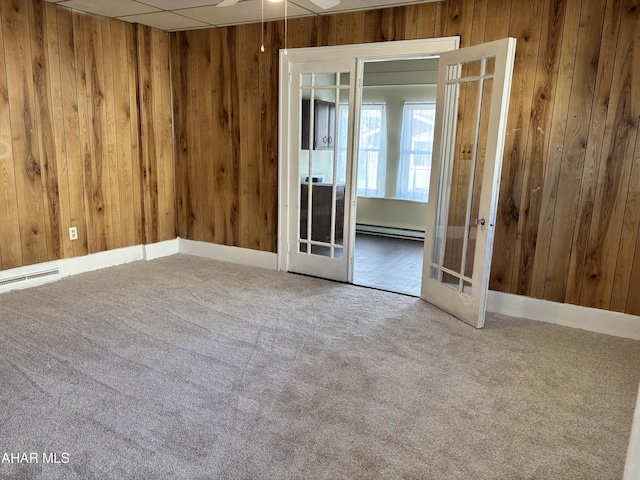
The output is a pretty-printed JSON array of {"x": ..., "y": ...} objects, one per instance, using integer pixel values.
[
  {"x": 569, "y": 210},
  {"x": 225, "y": 105},
  {"x": 70, "y": 150},
  {"x": 156, "y": 135}
]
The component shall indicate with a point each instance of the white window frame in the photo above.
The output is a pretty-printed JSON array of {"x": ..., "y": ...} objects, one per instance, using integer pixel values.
[{"x": 408, "y": 170}]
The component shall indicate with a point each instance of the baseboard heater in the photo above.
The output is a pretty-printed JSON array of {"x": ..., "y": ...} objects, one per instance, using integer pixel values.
[
  {"x": 29, "y": 277},
  {"x": 404, "y": 233}
]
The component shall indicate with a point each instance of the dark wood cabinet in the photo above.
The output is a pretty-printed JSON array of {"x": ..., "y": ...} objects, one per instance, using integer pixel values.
[
  {"x": 324, "y": 124},
  {"x": 321, "y": 211}
]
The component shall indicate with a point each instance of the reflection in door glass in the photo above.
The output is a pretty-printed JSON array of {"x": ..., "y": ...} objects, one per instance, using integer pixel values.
[
  {"x": 480, "y": 155},
  {"x": 462, "y": 163},
  {"x": 462, "y": 178},
  {"x": 322, "y": 176}
]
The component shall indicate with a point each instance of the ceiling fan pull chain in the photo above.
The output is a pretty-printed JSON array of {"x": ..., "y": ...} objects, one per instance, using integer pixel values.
[
  {"x": 262, "y": 29},
  {"x": 285, "y": 25}
]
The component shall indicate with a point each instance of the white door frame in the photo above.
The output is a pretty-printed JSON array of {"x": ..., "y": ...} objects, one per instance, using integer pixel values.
[{"x": 367, "y": 52}]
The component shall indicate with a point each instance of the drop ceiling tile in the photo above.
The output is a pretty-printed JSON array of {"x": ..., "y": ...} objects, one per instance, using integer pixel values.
[
  {"x": 352, "y": 5},
  {"x": 204, "y": 12},
  {"x": 110, "y": 8},
  {"x": 244, "y": 12},
  {"x": 174, "y": 5},
  {"x": 164, "y": 21}
]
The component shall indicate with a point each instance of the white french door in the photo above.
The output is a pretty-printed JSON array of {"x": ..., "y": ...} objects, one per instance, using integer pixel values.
[
  {"x": 320, "y": 93},
  {"x": 471, "y": 114},
  {"x": 322, "y": 99}
]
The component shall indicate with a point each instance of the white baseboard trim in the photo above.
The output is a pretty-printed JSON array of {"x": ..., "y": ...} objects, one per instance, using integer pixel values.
[
  {"x": 161, "y": 249},
  {"x": 592, "y": 319},
  {"x": 242, "y": 256},
  {"x": 390, "y": 231},
  {"x": 47, "y": 272},
  {"x": 98, "y": 261}
]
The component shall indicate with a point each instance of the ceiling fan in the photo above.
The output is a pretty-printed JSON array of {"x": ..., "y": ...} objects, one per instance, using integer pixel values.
[{"x": 321, "y": 3}]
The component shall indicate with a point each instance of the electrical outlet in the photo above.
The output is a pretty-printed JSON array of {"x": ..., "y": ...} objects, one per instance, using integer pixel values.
[{"x": 73, "y": 233}]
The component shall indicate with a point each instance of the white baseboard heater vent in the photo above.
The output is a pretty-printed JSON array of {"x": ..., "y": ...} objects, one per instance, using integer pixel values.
[
  {"x": 404, "y": 233},
  {"x": 29, "y": 277}
]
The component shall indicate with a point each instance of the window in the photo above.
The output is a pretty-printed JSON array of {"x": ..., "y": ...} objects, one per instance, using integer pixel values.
[
  {"x": 372, "y": 148},
  {"x": 416, "y": 144}
]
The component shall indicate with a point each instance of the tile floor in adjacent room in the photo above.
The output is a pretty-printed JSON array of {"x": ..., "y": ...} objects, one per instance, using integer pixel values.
[{"x": 387, "y": 263}]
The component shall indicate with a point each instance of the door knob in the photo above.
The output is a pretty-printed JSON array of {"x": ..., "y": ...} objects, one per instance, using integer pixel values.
[{"x": 480, "y": 221}]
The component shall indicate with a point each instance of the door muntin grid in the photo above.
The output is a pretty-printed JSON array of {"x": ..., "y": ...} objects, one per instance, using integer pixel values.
[
  {"x": 323, "y": 165},
  {"x": 468, "y": 87}
]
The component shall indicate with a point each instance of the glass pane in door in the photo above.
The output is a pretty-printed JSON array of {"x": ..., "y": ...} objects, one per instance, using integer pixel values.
[
  {"x": 475, "y": 222},
  {"x": 469, "y": 86},
  {"x": 322, "y": 166}
]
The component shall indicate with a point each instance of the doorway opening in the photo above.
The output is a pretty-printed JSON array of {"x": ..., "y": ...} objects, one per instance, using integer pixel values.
[{"x": 397, "y": 119}]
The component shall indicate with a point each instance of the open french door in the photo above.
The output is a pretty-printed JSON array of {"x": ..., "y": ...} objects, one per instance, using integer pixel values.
[
  {"x": 322, "y": 99},
  {"x": 474, "y": 84}
]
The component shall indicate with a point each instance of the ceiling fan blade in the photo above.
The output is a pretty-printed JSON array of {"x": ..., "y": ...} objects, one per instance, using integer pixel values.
[
  {"x": 227, "y": 3},
  {"x": 326, "y": 3}
]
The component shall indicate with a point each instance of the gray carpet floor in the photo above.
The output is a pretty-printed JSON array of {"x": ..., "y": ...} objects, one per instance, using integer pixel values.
[{"x": 185, "y": 368}]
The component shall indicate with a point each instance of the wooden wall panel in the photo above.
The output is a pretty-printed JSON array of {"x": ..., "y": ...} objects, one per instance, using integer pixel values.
[
  {"x": 194, "y": 58},
  {"x": 124, "y": 153},
  {"x": 70, "y": 130},
  {"x": 136, "y": 148},
  {"x": 112, "y": 163},
  {"x": 97, "y": 179},
  {"x": 219, "y": 130},
  {"x": 538, "y": 138},
  {"x": 178, "y": 85},
  {"x": 205, "y": 87},
  {"x": 10, "y": 248},
  {"x": 498, "y": 18},
  {"x": 46, "y": 138},
  {"x": 24, "y": 133},
  {"x": 568, "y": 161},
  {"x": 61, "y": 175},
  {"x": 250, "y": 149},
  {"x": 156, "y": 133},
  {"x": 526, "y": 26},
  {"x": 234, "y": 162},
  {"x": 557, "y": 128},
  {"x": 269, "y": 170},
  {"x": 615, "y": 168},
  {"x": 589, "y": 181},
  {"x": 80, "y": 104},
  {"x": 69, "y": 134},
  {"x": 148, "y": 133},
  {"x": 219, "y": 108}
]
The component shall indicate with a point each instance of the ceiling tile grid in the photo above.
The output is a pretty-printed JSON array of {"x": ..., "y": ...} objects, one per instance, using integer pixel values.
[{"x": 175, "y": 15}]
